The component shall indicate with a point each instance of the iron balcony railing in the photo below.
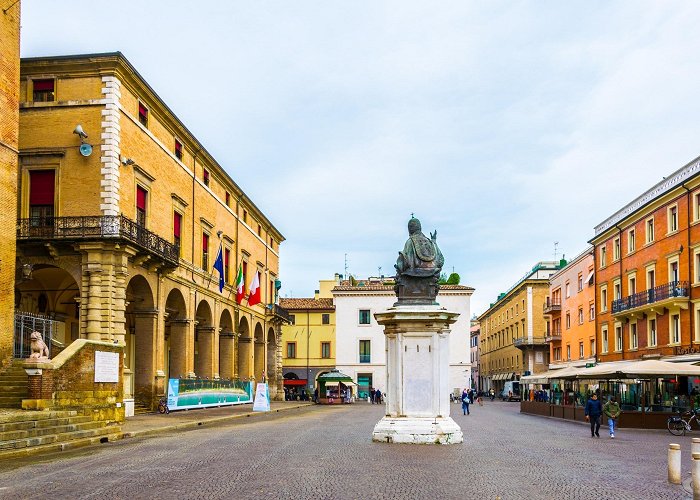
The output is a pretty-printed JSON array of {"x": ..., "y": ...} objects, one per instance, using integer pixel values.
[
  {"x": 364, "y": 358},
  {"x": 525, "y": 341},
  {"x": 552, "y": 335},
  {"x": 551, "y": 305},
  {"x": 280, "y": 312},
  {"x": 652, "y": 295},
  {"x": 97, "y": 227}
]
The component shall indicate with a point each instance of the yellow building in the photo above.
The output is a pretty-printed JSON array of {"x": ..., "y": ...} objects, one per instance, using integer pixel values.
[
  {"x": 308, "y": 342},
  {"x": 513, "y": 330},
  {"x": 122, "y": 213},
  {"x": 9, "y": 131}
]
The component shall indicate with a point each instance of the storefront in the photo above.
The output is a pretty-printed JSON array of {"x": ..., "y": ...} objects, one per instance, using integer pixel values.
[
  {"x": 648, "y": 391},
  {"x": 336, "y": 387}
]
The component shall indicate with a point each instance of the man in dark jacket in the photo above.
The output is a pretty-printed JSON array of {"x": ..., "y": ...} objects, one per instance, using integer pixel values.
[{"x": 593, "y": 411}]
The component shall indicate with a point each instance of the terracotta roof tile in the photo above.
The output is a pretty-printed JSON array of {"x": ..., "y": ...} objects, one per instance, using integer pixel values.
[{"x": 307, "y": 303}]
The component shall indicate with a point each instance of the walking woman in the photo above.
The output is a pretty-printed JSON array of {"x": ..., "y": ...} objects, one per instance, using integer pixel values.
[{"x": 465, "y": 401}]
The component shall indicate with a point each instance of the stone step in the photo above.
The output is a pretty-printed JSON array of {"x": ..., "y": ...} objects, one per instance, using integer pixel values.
[
  {"x": 13, "y": 391},
  {"x": 11, "y": 401},
  {"x": 56, "y": 438},
  {"x": 43, "y": 423},
  {"x": 44, "y": 431},
  {"x": 30, "y": 416},
  {"x": 62, "y": 446}
]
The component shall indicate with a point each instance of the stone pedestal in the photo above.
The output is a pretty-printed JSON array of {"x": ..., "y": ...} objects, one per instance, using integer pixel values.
[{"x": 417, "y": 401}]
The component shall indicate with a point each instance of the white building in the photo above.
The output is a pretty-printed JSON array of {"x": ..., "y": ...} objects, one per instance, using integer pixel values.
[{"x": 361, "y": 351}]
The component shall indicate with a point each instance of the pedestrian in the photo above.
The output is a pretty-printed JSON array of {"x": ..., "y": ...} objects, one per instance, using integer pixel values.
[
  {"x": 479, "y": 399},
  {"x": 465, "y": 401},
  {"x": 471, "y": 396},
  {"x": 371, "y": 395},
  {"x": 492, "y": 394},
  {"x": 593, "y": 411},
  {"x": 612, "y": 411}
]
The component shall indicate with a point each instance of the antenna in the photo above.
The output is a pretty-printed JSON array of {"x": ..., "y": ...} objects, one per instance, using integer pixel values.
[
  {"x": 556, "y": 244},
  {"x": 346, "y": 266},
  {"x": 380, "y": 271}
]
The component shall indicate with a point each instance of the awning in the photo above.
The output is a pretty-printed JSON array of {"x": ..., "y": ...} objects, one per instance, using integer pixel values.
[
  {"x": 347, "y": 383},
  {"x": 332, "y": 384},
  {"x": 589, "y": 280},
  {"x": 294, "y": 381},
  {"x": 498, "y": 376}
]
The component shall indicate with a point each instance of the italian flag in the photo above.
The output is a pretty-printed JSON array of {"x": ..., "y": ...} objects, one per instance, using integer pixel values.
[
  {"x": 240, "y": 286},
  {"x": 254, "y": 297}
]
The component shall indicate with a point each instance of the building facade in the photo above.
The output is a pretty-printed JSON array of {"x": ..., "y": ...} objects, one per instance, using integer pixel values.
[
  {"x": 569, "y": 311},
  {"x": 474, "y": 354},
  {"x": 361, "y": 352},
  {"x": 513, "y": 330},
  {"x": 122, "y": 214},
  {"x": 647, "y": 273},
  {"x": 9, "y": 137},
  {"x": 308, "y": 341}
]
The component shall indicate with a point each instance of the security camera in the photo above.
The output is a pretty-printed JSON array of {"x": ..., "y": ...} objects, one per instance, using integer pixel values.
[
  {"x": 80, "y": 132},
  {"x": 127, "y": 161}
]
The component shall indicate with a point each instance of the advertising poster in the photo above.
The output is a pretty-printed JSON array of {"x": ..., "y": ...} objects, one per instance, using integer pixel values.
[
  {"x": 262, "y": 398},
  {"x": 185, "y": 394}
]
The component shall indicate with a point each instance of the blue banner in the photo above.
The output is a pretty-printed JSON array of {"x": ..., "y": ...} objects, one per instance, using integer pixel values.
[{"x": 185, "y": 394}]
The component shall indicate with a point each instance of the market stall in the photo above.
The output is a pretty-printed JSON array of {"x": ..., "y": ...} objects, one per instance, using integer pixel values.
[{"x": 335, "y": 387}]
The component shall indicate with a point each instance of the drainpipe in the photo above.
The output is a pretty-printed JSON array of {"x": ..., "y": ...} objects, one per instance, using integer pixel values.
[{"x": 690, "y": 276}]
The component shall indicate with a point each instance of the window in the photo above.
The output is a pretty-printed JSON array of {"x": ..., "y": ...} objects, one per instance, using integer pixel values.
[
  {"x": 602, "y": 256},
  {"x": 580, "y": 281},
  {"x": 143, "y": 115},
  {"x": 205, "y": 251},
  {"x": 291, "y": 349},
  {"x": 292, "y": 319},
  {"x": 177, "y": 228},
  {"x": 673, "y": 271},
  {"x": 227, "y": 260},
  {"x": 672, "y": 219},
  {"x": 245, "y": 216},
  {"x": 141, "y": 199},
  {"x": 178, "y": 149},
  {"x": 43, "y": 90},
  {"x": 365, "y": 351},
  {"x": 568, "y": 352},
  {"x": 259, "y": 230},
  {"x": 651, "y": 278},
  {"x": 616, "y": 249},
  {"x": 697, "y": 266},
  {"x": 568, "y": 320},
  {"x": 603, "y": 299},
  {"x": 697, "y": 323},
  {"x": 580, "y": 350},
  {"x": 651, "y": 331},
  {"x": 650, "y": 230},
  {"x": 591, "y": 311},
  {"x": 675, "y": 329},
  {"x": 228, "y": 199},
  {"x": 326, "y": 319},
  {"x": 205, "y": 177},
  {"x": 325, "y": 350},
  {"x": 42, "y": 186},
  {"x": 618, "y": 290},
  {"x": 633, "y": 336},
  {"x": 618, "y": 337},
  {"x": 592, "y": 347},
  {"x": 580, "y": 315},
  {"x": 567, "y": 287},
  {"x": 632, "y": 285},
  {"x": 604, "y": 339},
  {"x": 631, "y": 243},
  {"x": 364, "y": 317},
  {"x": 696, "y": 206},
  {"x": 244, "y": 272}
]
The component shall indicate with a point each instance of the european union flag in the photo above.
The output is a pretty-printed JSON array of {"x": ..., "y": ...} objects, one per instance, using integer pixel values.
[{"x": 219, "y": 266}]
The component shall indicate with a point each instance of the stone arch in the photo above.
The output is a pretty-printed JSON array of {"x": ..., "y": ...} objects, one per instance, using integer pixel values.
[
  {"x": 53, "y": 291},
  {"x": 204, "y": 341},
  {"x": 226, "y": 346},
  {"x": 259, "y": 354},
  {"x": 141, "y": 342},
  {"x": 177, "y": 326},
  {"x": 245, "y": 350}
]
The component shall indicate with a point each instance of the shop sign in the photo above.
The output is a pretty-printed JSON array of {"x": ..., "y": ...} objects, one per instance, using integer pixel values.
[{"x": 687, "y": 350}]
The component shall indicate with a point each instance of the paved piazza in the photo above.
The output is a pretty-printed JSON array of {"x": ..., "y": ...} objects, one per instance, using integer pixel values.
[{"x": 327, "y": 453}]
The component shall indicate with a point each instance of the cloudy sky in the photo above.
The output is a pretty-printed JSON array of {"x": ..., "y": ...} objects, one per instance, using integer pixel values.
[{"x": 506, "y": 126}]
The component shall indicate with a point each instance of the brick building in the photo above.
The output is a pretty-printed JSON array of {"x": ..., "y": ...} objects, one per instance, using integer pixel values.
[
  {"x": 513, "y": 330},
  {"x": 122, "y": 213},
  {"x": 647, "y": 270},
  {"x": 9, "y": 132},
  {"x": 570, "y": 313}
]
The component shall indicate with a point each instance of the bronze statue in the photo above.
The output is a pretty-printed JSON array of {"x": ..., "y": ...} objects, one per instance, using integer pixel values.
[{"x": 418, "y": 267}]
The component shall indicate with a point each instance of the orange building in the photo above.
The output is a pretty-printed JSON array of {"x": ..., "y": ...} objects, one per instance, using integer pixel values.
[
  {"x": 647, "y": 270},
  {"x": 570, "y": 313}
]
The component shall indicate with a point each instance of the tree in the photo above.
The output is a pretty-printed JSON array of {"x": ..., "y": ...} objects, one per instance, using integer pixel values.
[
  {"x": 443, "y": 279},
  {"x": 453, "y": 279}
]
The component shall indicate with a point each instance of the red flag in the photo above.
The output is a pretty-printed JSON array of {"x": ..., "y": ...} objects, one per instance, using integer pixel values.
[{"x": 254, "y": 297}]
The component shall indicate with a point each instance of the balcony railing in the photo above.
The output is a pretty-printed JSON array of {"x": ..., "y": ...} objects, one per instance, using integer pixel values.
[
  {"x": 364, "y": 358},
  {"x": 652, "y": 295},
  {"x": 552, "y": 335},
  {"x": 279, "y": 312},
  {"x": 529, "y": 341},
  {"x": 551, "y": 305},
  {"x": 97, "y": 227}
]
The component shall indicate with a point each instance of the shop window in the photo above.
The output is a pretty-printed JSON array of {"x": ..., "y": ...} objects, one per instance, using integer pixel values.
[{"x": 44, "y": 90}]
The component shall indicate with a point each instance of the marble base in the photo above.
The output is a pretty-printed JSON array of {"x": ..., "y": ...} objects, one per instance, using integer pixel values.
[{"x": 417, "y": 430}]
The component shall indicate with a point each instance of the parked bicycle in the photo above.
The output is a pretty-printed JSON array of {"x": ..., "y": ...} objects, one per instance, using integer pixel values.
[
  {"x": 678, "y": 425},
  {"x": 163, "y": 406}
]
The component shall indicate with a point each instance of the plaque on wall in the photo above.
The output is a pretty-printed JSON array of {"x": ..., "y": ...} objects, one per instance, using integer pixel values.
[{"x": 106, "y": 366}]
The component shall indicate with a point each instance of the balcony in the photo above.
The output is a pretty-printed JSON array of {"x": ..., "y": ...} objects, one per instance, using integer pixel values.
[
  {"x": 112, "y": 227},
  {"x": 365, "y": 358},
  {"x": 522, "y": 342},
  {"x": 675, "y": 293},
  {"x": 552, "y": 336},
  {"x": 551, "y": 306},
  {"x": 279, "y": 313}
]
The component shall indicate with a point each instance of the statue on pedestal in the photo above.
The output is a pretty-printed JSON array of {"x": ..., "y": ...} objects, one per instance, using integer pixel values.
[{"x": 418, "y": 267}]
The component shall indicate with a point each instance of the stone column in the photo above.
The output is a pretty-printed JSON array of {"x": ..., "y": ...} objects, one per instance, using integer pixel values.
[
  {"x": 205, "y": 345},
  {"x": 143, "y": 366},
  {"x": 179, "y": 338},
  {"x": 417, "y": 381},
  {"x": 226, "y": 355}
]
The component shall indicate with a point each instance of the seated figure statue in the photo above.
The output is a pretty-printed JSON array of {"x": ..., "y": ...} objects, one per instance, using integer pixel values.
[{"x": 418, "y": 267}]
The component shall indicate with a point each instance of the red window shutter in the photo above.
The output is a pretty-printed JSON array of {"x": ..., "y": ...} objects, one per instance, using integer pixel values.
[
  {"x": 205, "y": 242},
  {"x": 141, "y": 198},
  {"x": 177, "y": 221},
  {"x": 41, "y": 187},
  {"x": 227, "y": 255},
  {"x": 206, "y": 176},
  {"x": 43, "y": 85},
  {"x": 142, "y": 110}
]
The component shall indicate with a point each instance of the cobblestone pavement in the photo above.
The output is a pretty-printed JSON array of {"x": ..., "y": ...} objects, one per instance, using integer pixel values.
[{"x": 327, "y": 453}]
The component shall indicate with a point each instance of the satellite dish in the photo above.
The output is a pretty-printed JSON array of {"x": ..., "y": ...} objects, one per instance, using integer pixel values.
[{"x": 85, "y": 149}]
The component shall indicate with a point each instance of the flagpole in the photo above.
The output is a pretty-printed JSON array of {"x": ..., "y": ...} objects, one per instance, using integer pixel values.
[{"x": 211, "y": 273}]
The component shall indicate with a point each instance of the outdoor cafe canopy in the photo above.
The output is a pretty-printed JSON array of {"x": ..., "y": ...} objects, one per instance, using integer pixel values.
[{"x": 617, "y": 369}]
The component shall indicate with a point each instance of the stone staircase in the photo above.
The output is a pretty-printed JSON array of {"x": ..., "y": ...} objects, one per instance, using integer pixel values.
[
  {"x": 141, "y": 409},
  {"x": 25, "y": 433},
  {"x": 13, "y": 386}
]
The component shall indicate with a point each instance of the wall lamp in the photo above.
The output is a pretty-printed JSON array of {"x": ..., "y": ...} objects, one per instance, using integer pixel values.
[{"x": 127, "y": 161}]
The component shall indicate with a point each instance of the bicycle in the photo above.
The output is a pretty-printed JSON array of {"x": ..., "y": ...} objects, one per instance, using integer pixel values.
[
  {"x": 163, "y": 406},
  {"x": 678, "y": 426}
]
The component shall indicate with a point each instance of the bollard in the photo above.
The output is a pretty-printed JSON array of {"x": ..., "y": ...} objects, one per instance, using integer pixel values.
[
  {"x": 695, "y": 470},
  {"x": 674, "y": 463},
  {"x": 695, "y": 446}
]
